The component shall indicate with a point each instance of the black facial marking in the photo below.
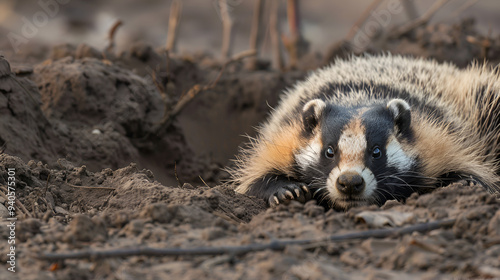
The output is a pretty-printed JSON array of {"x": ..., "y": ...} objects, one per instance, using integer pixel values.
[
  {"x": 382, "y": 92},
  {"x": 379, "y": 125},
  {"x": 309, "y": 120},
  {"x": 333, "y": 119}
]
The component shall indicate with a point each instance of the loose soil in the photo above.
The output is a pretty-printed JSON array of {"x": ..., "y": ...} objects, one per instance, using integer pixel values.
[{"x": 96, "y": 169}]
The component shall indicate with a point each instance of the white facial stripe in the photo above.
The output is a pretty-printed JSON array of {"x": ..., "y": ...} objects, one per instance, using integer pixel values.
[
  {"x": 396, "y": 157},
  {"x": 310, "y": 154},
  {"x": 370, "y": 181},
  {"x": 366, "y": 173}
]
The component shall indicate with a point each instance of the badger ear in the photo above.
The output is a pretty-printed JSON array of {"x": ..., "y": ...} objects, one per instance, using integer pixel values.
[
  {"x": 401, "y": 114},
  {"x": 311, "y": 112}
]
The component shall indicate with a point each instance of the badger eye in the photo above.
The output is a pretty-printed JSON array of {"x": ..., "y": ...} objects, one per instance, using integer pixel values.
[
  {"x": 329, "y": 153},
  {"x": 376, "y": 153}
]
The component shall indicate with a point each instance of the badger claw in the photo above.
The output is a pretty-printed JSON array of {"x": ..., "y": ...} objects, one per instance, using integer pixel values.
[{"x": 289, "y": 192}]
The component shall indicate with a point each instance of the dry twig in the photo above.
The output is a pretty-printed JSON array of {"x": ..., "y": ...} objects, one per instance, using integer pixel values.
[
  {"x": 173, "y": 25},
  {"x": 410, "y": 9},
  {"x": 275, "y": 35},
  {"x": 176, "y": 176},
  {"x": 90, "y": 187},
  {"x": 186, "y": 98},
  {"x": 19, "y": 205},
  {"x": 462, "y": 8},
  {"x": 227, "y": 29},
  {"x": 296, "y": 45},
  {"x": 238, "y": 250},
  {"x": 422, "y": 20},
  {"x": 256, "y": 31},
  {"x": 112, "y": 34},
  {"x": 484, "y": 44}
]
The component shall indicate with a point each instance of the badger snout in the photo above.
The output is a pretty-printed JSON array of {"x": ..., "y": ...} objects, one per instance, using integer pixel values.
[{"x": 350, "y": 183}]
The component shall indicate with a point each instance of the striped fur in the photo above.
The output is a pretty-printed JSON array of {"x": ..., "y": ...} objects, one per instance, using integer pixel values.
[{"x": 455, "y": 120}]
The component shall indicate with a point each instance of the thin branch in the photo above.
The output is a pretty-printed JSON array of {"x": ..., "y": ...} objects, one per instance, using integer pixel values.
[
  {"x": 176, "y": 176},
  {"x": 90, "y": 187},
  {"x": 256, "y": 31},
  {"x": 275, "y": 35},
  {"x": 112, "y": 34},
  {"x": 196, "y": 89},
  {"x": 410, "y": 9},
  {"x": 227, "y": 29},
  {"x": 205, "y": 183},
  {"x": 423, "y": 20},
  {"x": 238, "y": 250},
  {"x": 173, "y": 25},
  {"x": 484, "y": 44},
  {"x": 293, "y": 17},
  {"x": 462, "y": 9},
  {"x": 18, "y": 203},
  {"x": 295, "y": 44},
  {"x": 47, "y": 184}
]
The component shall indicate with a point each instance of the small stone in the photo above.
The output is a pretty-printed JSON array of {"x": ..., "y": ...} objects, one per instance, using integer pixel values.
[
  {"x": 4, "y": 212},
  {"x": 158, "y": 212},
  {"x": 376, "y": 247},
  {"x": 354, "y": 257},
  {"x": 134, "y": 227},
  {"x": 389, "y": 204},
  {"x": 423, "y": 260},
  {"x": 62, "y": 50},
  {"x": 489, "y": 272},
  {"x": 60, "y": 210},
  {"x": 312, "y": 209},
  {"x": 84, "y": 50},
  {"x": 494, "y": 225},
  {"x": 27, "y": 228},
  {"x": 83, "y": 228},
  {"x": 212, "y": 233}
]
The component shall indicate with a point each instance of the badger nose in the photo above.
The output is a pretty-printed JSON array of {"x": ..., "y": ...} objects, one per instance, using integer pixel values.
[{"x": 350, "y": 183}]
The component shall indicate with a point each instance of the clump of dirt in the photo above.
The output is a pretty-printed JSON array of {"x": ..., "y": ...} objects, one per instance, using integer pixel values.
[{"x": 26, "y": 131}]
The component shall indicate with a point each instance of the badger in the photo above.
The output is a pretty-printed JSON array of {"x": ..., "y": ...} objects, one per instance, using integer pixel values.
[{"x": 374, "y": 128}]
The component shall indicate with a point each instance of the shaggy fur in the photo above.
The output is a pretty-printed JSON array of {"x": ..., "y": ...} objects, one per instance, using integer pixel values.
[{"x": 453, "y": 135}]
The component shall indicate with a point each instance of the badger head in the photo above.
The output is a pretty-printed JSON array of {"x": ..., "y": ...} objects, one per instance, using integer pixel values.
[{"x": 358, "y": 155}]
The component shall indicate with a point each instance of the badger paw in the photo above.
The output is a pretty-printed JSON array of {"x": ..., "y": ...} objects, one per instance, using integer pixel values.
[{"x": 289, "y": 192}]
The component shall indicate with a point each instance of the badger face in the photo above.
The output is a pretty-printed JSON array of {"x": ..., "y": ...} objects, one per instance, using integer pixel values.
[{"x": 357, "y": 156}]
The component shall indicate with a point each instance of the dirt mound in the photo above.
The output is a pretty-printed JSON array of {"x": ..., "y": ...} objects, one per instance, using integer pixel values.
[{"x": 26, "y": 131}]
